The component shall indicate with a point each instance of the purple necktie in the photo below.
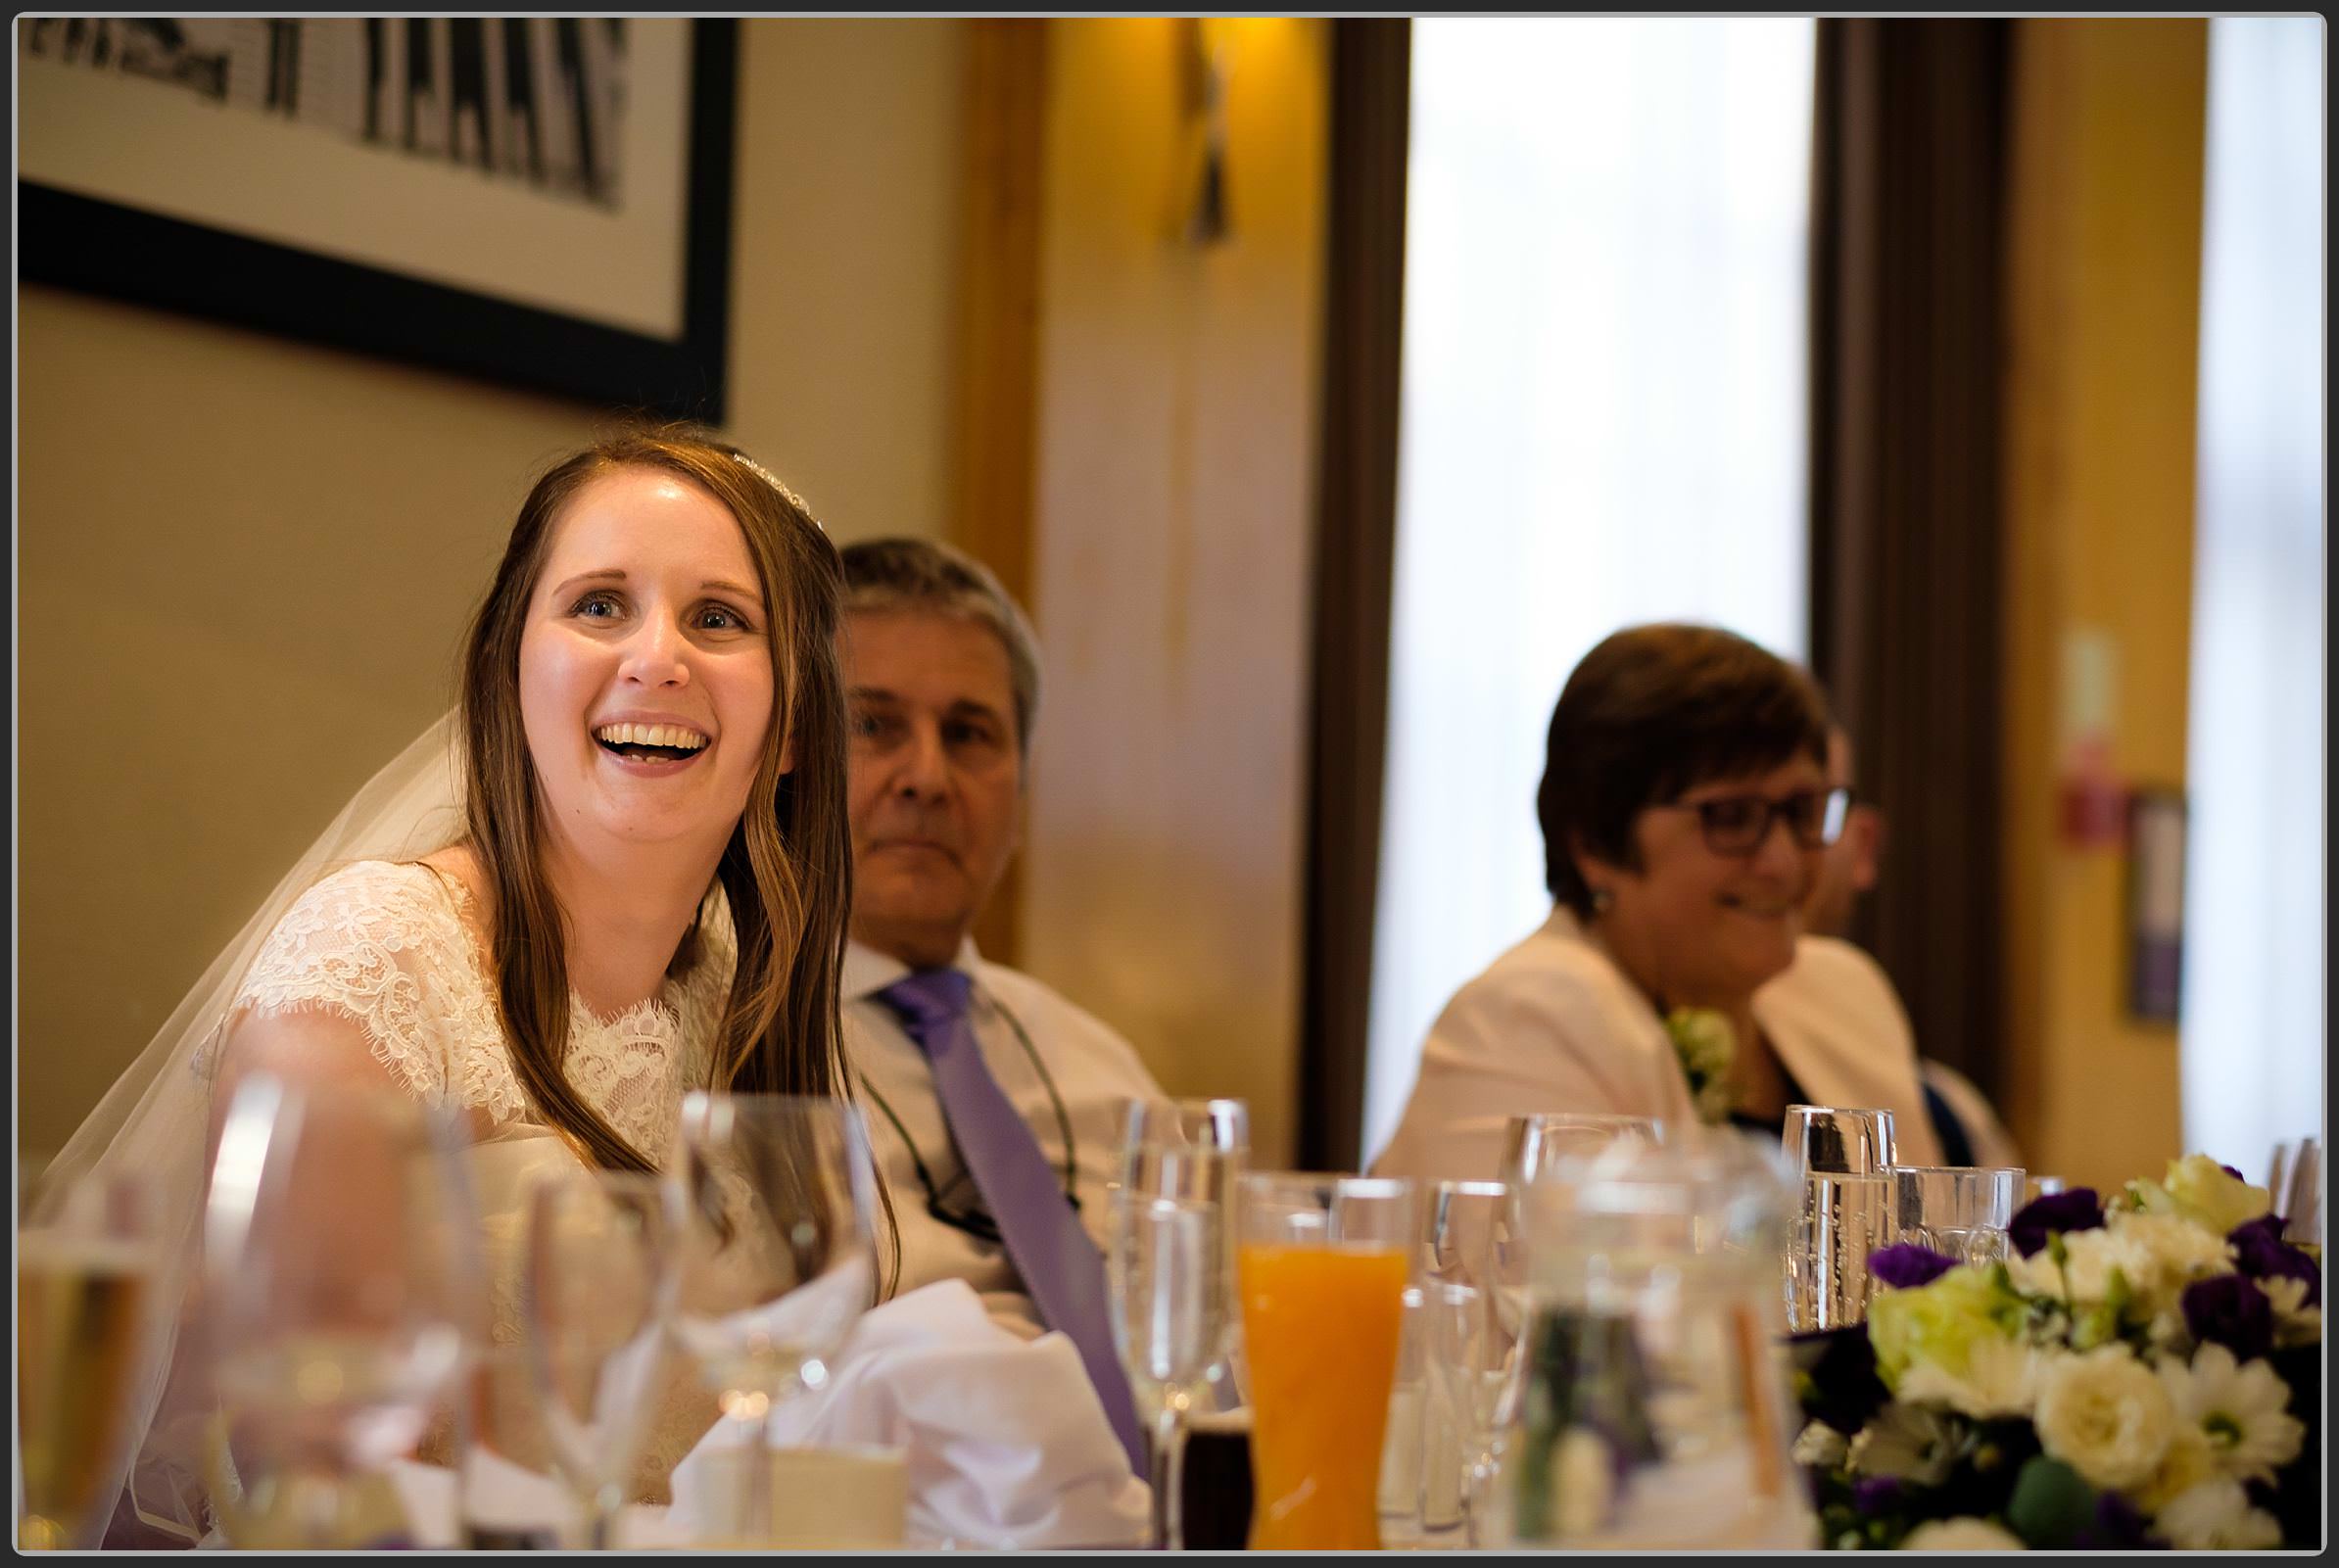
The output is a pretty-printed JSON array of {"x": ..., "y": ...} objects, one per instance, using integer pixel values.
[{"x": 1060, "y": 1268}]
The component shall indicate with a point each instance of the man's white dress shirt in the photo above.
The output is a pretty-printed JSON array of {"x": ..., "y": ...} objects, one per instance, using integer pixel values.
[
  {"x": 1095, "y": 1072},
  {"x": 1553, "y": 1024}
]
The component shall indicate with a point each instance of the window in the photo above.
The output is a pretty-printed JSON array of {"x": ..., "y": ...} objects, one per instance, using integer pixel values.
[
  {"x": 2252, "y": 1000},
  {"x": 1603, "y": 417}
]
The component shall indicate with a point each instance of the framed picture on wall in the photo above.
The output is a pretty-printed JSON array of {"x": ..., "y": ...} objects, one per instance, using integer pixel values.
[
  {"x": 2156, "y": 834},
  {"x": 542, "y": 201}
]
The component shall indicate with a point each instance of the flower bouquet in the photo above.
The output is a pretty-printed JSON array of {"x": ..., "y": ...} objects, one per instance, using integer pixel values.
[{"x": 2143, "y": 1372}]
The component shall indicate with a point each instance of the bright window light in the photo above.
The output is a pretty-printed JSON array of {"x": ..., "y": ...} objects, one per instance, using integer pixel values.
[
  {"x": 1603, "y": 416},
  {"x": 2252, "y": 1007}
]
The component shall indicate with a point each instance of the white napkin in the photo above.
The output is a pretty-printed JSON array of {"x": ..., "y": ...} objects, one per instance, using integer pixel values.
[
  {"x": 507, "y": 1496},
  {"x": 1006, "y": 1444}
]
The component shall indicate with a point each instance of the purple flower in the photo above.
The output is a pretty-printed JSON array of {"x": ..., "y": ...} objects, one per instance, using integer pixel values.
[
  {"x": 2235, "y": 1175},
  {"x": 2230, "y": 1309},
  {"x": 2117, "y": 1527},
  {"x": 2261, "y": 1253},
  {"x": 1875, "y": 1494},
  {"x": 1905, "y": 1265},
  {"x": 2036, "y": 1220}
]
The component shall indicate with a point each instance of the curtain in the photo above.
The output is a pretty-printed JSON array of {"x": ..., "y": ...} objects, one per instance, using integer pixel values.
[
  {"x": 1909, "y": 186},
  {"x": 1356, "y": 541}
]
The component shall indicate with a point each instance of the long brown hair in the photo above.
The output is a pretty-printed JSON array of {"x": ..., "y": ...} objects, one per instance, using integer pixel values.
[{"x": 787, "y": 870}]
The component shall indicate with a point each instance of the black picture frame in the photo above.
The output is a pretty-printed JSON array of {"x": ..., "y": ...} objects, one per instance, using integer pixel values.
[{"x": 80, "y": 242}]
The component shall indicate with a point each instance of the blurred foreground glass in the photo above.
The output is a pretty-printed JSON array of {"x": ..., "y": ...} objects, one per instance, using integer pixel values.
[
  {"x": 1837, "y": 1224},
  {"x": 86, "y": 1336},
  {"x": 1323, "y": 1262},
  {"x": 1164, "y": 1275},
  {"x": 1532, "y": 1144},
  {"x": 341, "y": 1299},
  {"x": 1653, "y": 1411},
  {"x": 1959, "y": 1211},
  {"x": 598, "y": 1282},
  {"x": 778, "y": 1258}
]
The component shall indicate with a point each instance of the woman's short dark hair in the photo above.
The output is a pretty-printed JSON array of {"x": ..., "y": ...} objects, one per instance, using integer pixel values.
[{"x": 1653, "y": 712}]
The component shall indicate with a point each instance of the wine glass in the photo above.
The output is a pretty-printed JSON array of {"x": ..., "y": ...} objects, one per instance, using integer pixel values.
[
  {"x": 1165, "y": 1271},
  {"x": 88, "y": 1262},
  {"x": 1473, "y": 1271},
  {"x": 1533, "y": 1144},
  {"x": 599, "y": 1281},
  {"x": 342, "y": 1297},
  {"x": 780, "y": 1258}
]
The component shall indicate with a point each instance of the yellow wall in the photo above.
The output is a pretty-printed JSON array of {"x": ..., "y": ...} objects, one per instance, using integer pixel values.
[
  {"x": 244, "y": 562},
  {"x": 1178, "y": 398},
  {"x": 2104, "y": 301}
]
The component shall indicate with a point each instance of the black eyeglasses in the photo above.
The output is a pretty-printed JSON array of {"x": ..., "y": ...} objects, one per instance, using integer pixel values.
[{"x": 1738, "y": 825}]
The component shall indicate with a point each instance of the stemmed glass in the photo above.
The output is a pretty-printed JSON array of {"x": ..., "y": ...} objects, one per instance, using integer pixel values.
[
  {"x": 1474, "y": 1286},
  {"x": 780, "y": 1258},
  {"x": 1533, "y": 1144},
  {"x": 598, "y": 1282},
  {"x": 87, "y": 1266},
  {"x": 1165, "y": 1281},
  {"x": 342, "y": 1297},
  {"x": 1191, "y": 1153}
]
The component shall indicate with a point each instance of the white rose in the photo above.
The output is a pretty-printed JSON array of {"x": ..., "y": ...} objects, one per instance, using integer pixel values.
[
  {"x": 1966, "y": 1534},
  {"x": 2162, "y": 1254},
  {"x": 2216, "y": 1516},
  {"x": 2083, "y": 1275},
  {"x": 2001, "y": 1378},
  {"x": 2104, "y": 1415}
]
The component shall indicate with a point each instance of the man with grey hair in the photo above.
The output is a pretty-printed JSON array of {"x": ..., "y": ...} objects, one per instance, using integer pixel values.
[{"x": 994, "y": 1104}]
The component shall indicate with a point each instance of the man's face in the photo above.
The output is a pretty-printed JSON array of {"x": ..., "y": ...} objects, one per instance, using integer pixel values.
[{"x": 935, "y": 776}]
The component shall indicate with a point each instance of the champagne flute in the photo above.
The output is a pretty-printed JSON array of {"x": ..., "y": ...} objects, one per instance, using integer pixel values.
[
  {"x": 1473, "y": 1269},
  {"x": 87, "y": 1268},
  {"x": 1166, "y": 1283},
  {"x": 780, "y": 1259},
  {"x": 598, "y": 1282},
  {"x": 342, "y": 1297},
  {"x": 1195, "y": 1149}
]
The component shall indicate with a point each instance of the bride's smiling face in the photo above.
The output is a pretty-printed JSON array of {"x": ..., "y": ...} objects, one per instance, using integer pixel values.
[{"x": 646, "y": 665}]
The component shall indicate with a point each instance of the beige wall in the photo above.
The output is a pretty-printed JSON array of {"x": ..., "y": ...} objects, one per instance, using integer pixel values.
[
  {"x": 244, "y": 562},
  {"x": 1178, "y": 398},
  {"x": 2105, "y": 300}
]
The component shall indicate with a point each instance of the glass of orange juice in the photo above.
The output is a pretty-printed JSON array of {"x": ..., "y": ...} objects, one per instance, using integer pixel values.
[{"x": 1322, "y": 1266}]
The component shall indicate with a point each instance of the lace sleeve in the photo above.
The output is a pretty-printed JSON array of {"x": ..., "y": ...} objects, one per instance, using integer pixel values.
[{"x": 380, "y": 945}]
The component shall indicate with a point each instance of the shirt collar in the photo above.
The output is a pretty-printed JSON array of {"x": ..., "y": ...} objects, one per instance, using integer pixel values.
[{"x": 868, "y": 971}]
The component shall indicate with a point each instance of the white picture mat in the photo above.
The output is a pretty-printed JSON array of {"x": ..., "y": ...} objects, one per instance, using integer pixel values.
[{"x": 161, "y": 150}]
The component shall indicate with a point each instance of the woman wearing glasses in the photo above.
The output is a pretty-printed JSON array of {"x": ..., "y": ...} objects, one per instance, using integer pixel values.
[{"x": 1684, "y": 808}]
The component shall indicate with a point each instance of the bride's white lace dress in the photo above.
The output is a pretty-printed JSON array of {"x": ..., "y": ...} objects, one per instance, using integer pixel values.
[{"x": 398, "y": 950}]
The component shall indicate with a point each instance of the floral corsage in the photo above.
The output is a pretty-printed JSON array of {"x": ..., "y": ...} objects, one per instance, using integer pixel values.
[{"x": 1706, "y": 1044}]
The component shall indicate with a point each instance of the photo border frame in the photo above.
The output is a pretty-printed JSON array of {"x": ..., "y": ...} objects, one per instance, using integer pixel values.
[{"x": 101, "y": 247}]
